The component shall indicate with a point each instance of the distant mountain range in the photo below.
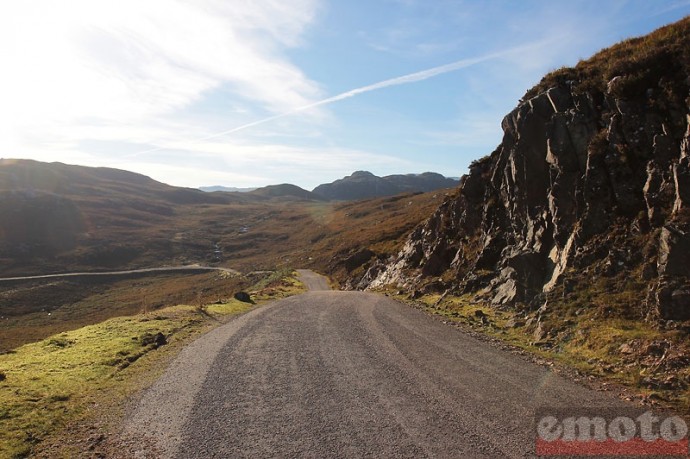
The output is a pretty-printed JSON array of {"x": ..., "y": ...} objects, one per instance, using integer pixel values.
[{"x": 359, "y": 185}]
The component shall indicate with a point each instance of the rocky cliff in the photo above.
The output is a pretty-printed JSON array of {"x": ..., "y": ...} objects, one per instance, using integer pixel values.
[{"x": 591, "y": 181}]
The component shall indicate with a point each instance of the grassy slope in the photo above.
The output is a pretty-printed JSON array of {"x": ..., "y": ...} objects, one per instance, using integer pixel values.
[
  {"x": 82, "y": 374},
  {"x": 32, "y": 311}
]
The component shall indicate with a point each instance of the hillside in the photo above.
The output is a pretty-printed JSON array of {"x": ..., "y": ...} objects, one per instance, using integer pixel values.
[
  {"x": 364, "y": 185},
  {"x": 58, "y": 217},
  {"x": 579, "y": 222},
  {"x": 27, "y": 177},
  {"x": 285, "y": 190}
]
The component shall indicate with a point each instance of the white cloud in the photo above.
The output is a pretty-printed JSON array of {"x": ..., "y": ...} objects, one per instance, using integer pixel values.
[
  {"x": 274, "y": 163},
  {"x": 238, "y": 164},
  {"x": 82, "y": 62},
  {"x": 401, "y": 80},
  {"x": 233, "y": 161},
  {"x": 93, "y": 81}
]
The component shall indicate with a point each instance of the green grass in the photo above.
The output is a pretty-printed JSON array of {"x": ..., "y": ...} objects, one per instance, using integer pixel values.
[
  {"x": 35, "y": 310},
  {"x": 50, "y": 384},
  {"x": 282, "y": 283}
]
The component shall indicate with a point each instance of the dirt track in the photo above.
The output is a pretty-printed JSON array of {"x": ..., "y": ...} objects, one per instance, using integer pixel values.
[{"x": 348, "y": 374}]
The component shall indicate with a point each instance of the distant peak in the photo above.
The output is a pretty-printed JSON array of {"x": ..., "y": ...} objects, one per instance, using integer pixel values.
[{"x": 364, "y": 185}]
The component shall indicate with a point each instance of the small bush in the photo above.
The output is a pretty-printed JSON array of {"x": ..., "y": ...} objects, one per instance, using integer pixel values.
[{"x": 60, "y": 342}]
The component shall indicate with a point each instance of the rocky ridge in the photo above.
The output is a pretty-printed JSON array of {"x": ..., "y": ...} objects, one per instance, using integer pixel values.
[
  {"x": 591, "y": 180},
  {"x": 365, "y": 185}
]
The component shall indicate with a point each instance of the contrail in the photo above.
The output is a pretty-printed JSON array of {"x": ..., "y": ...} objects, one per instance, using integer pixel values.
[
  {"x": 410, "y": 78},
  {"x": 405, "y": 79}
]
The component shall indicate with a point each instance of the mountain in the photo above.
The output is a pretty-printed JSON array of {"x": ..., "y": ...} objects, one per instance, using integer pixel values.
[
  {"x": 228, "y": 189},
  {"x": 287, "y": 191},
  {"x": 584, "y": 204},
  {"x": 34, "y": 178},
  {"x": 364, "y": 185},
  {"x": 57, "y": 216}
]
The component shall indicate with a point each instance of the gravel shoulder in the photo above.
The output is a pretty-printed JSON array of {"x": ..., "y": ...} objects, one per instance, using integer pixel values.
[{"x": 157, "y": 421}]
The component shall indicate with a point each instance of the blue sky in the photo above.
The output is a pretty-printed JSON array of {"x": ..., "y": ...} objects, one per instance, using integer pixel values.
[{"x": 251, "y": 93}]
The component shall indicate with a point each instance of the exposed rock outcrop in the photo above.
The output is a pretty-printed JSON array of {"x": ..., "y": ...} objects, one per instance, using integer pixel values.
[{"x": 592, "y": 178}]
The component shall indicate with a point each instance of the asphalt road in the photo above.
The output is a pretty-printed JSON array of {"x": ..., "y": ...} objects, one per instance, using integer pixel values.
[
  {"x": 183, "y": 269},
  {"x": 347, "y": 374}
]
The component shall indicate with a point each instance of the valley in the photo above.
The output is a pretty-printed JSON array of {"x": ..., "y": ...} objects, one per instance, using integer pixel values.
[
  {"x": 120, "y": 221},
  {"x": 60, "y": 218}
]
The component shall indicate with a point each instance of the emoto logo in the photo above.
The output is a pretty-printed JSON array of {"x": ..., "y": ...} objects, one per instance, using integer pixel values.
[{"x": 609, "y": 432}]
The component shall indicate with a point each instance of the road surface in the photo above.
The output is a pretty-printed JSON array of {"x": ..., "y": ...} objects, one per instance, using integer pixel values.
[
  {"x": 347, "y": 374},
  {"x": 314, "y": 282},
  {"x": 186, "y": 269}
]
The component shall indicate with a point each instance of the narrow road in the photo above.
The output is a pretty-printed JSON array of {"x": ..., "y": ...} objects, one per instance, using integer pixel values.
[
  {"x": 314, "y": 282},
  {"x": 347, "y": 374},
  {"x": 186, "y": 269}
]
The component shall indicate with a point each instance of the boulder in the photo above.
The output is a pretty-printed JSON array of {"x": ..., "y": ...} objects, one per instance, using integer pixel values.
[
  {"x": 672, "y": 300},
  {"x": 157, "y": 339},
  {"x": 243, "y": 297}
]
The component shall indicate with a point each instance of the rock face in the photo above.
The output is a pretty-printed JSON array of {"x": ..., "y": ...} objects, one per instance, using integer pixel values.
[
  {"x": 364, "y": 185},
  {"x": 592, "y": 178}
]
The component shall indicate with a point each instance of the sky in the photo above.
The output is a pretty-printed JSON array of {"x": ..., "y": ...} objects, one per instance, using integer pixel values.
[{"x": 247, "y": 93}]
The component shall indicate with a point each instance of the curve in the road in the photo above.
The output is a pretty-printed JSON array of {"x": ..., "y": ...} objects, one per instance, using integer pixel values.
[
  {"x": 313, "y": 281},
  {"x": 348, "y": 374}
]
